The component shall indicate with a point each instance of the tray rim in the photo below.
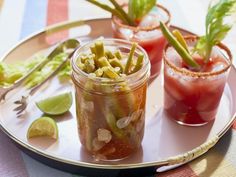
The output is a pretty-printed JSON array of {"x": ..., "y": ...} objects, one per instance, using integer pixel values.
[{"x": 176, "y": 160}]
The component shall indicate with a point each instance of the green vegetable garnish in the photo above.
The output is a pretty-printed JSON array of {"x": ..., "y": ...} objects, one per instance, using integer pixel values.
[
  {"x": 180, "y": 38},
  {"x": 10, "y": 73},
  {"x": 136, "y": 10},
  {"x": 139, "y": 8},
  {"x": 216, "y": 28},
  {"x": 178, "y": 47}
]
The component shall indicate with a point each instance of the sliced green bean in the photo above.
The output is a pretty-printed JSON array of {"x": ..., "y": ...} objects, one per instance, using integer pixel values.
[
  {"x": 83, "y": 58},
  {"x": 109, "y": 54},
  {"x": 116, "y": 63},
  {"x": 93, "y": 49},
  {"x": 117, "y": 70},
  {"x": 130, "y": 58},
  {"x": 99, "y": 49},
  {"x": 90, "y": 67},
  {"x": 178, "y": 47},
  {"x": 180, "y": 38},
  {"x": 109, "y": 71},
  {"x": 103, "y": 62},
  {"x": 80, "y": 64},
  {"x": 111, "y": 121},
  {"x": 99, "y": 72},
  {"x": 118, "y": 54},
  {"x": 139, "y": 64}
]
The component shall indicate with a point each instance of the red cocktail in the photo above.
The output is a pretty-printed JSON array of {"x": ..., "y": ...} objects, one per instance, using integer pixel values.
[
  {"x": 147, "y": 34},
  {"x": 192, "y": 97}
]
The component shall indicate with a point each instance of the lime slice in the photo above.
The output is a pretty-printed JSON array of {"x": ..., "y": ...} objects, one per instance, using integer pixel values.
[
  {"x": 43, "y": 126},
  {"x": 56, "y": 105}
]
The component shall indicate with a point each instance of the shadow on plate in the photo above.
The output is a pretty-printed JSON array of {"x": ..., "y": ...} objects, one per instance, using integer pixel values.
[{"x": 43, "y": 143}]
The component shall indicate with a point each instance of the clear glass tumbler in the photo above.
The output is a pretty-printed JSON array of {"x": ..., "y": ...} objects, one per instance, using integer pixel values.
[{"x": 190, "y": 97}]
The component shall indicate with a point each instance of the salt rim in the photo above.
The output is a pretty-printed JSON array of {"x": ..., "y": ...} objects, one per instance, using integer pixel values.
[{"x": 136, "y": 29}]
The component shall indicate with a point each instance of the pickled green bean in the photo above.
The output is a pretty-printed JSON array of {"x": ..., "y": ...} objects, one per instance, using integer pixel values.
[
  {"x": 99, "y": 49},
  {"x": 99, "y": 72},
  {"x": 118, "y": 54},
  {"x": 109, "y": 71},
  {"x": 139, "y": 64},
  {"x": 111, "y": 121},
  {"x": 130, "y": 58},
  {"x": 116, "y": 63},
  {"x": 102, "y": 62},
  {"x": 89, "y": 65},
  {"x": 109, "y": 54},
  {"x": 93, "y": 49}
]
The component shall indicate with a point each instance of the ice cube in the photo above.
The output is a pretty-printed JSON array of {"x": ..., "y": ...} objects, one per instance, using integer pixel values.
[
  {"x": 143, "y": 35},
  {"x": 218, "y": 66},
  {"x": 174, "y": 57},
  {"x": 127, "y": 33},
  {"x": 149, "y": 20},
  {"x": 173, "y": 92}
]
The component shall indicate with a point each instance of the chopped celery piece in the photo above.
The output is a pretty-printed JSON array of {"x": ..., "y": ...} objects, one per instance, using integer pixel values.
[{"x": 10, "y": 73}]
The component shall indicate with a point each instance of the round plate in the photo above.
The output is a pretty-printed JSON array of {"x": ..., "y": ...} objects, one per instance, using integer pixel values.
[{"x": 164, "y": 139}]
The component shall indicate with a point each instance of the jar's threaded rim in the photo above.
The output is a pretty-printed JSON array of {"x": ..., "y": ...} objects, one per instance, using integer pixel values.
[
  {"x": 144, "y": 70},
  {"x": 194, "y": 73}
]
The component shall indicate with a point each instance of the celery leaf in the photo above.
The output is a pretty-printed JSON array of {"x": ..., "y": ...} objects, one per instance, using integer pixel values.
[
  {"x": 215, "y": 26},
  {"x": 139, "y": 8}
]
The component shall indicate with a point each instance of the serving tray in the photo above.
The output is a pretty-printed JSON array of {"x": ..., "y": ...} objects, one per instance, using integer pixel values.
[{"x": 166, "y": 144}]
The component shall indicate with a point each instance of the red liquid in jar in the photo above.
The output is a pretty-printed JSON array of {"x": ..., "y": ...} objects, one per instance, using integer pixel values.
[
  {"x": 194, "y": 101},
  {"x": 94, "y": 117}
]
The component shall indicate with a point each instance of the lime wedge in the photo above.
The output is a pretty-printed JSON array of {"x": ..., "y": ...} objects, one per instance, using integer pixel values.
[
  {"x": 56, "y": 105},
  {"x": 43, "y": 126}
]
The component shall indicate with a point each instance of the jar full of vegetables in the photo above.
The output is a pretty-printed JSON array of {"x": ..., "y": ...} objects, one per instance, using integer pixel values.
[{"x": 110, "y": 78}]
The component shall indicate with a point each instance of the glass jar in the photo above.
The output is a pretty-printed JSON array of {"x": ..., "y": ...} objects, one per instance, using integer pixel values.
[
  {"x": 192, "y": 98},
  {"x": 147, "y": 34},
  {"x": 111, "y": 113}
]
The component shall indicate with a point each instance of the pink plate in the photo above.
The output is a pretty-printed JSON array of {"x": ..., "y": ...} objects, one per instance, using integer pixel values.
[{"x": 165, "y": 144}]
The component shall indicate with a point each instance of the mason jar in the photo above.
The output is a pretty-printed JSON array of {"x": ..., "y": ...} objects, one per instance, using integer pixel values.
[{"x": 111, "y": 113}]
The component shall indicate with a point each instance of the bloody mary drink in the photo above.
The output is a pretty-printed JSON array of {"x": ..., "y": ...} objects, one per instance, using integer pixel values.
[
  {"x": 196, "y": 68},
  {"x": 147, "y": 34},
  {"x": 192, "y": 97}
]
